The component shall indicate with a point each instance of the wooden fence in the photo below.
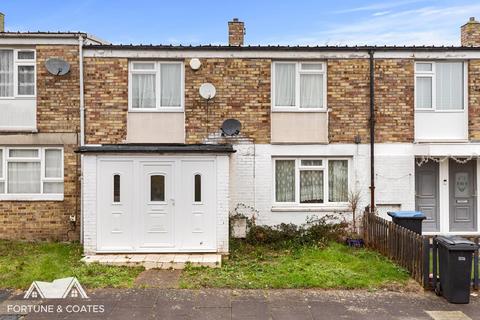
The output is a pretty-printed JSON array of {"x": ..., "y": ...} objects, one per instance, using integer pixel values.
[
  {"x": 416, "y": 253},
  {"x": 401, "y": 245}
]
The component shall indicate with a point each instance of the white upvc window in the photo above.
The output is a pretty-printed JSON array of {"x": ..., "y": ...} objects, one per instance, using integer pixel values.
[
  {"x": 17, "y": 73},
  {"x": 156, "y": 86},
  {"x": 31, "y": 173},
  {"x": 299, "y": 86},
  {"x": 440, "y": 86},
  {"x": 311, "y": 181}
]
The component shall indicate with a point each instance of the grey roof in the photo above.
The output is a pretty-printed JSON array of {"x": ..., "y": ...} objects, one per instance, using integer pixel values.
[
  {"x": 157, "y": 148},
  {"x": 275, "y": 47}
]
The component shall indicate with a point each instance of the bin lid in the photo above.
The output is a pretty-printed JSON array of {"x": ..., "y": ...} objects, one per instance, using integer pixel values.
[
  {"x": 456, "y": 243},
  {"x": 406, "y": 214}
]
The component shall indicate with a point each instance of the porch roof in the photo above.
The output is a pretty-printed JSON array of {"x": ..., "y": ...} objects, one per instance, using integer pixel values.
[{"x": 157, "y": 148}]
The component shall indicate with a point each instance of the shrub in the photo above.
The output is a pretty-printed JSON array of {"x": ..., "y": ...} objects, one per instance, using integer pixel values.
[{"x": 316, "y": 231}]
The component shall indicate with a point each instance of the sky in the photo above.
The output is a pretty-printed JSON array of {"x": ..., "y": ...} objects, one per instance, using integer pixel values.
[{"x": 300, "y": 22}]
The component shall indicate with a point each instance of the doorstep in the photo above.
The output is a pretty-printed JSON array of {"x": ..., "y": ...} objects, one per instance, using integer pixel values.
[{"x": 157, "y": 261}]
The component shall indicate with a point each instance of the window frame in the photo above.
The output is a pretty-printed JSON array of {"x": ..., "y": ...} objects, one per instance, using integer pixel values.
[
  {"x": 41, "y": 159},
  {"x": 432, "y": 75},
  {"x": 22, "y": 62},
  {"x": 298, "y": 167},
  {"x": 298, "y": 71},
  {"x": 157, "y": 72}
]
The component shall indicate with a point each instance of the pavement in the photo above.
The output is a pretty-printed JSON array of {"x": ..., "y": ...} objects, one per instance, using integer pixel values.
[{"x": 222, "y": 304}]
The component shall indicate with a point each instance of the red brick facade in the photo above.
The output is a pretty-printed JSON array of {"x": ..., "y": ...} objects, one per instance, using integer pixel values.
[
  {"x": 57, "y": 113},
  {"x": 106, "y": 100}
]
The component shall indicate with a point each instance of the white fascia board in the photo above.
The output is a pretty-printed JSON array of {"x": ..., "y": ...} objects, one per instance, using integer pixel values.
[
  {"x": 277, "y": 54},
  {"x": 38, "y": 41},
  {"x": 182, "y": 54},
  {"x": 427, "y": 55}
]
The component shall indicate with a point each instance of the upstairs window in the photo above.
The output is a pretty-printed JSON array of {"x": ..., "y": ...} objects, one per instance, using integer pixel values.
[
  {"x": 17, "y": 73},
  {"x": 439, "y": 86},
  {"x": 299, "y": 86},
  {"x": 156, "y": 86}
]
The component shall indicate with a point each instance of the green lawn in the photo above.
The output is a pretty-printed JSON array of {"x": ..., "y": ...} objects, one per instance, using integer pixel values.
[
  {"x": 336, "y": 266},
  {"x": 23, "y": 262}
]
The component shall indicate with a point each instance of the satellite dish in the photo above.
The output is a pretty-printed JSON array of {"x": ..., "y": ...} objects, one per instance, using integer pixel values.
[
  {"x": 231, "y": 127},
  {"x": 207, "y": 91},
  {"x": 195, "y": 64},
  {"x": 57, "y": 67}
]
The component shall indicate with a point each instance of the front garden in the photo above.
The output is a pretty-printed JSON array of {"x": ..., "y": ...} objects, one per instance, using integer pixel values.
[{"x": 285, "y": 256}]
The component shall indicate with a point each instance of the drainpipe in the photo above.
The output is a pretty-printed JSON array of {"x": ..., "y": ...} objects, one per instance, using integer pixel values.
[
  {"x": 82, "y": 101},
  {"x": 82, "y": 129},
  {"x": 372, "y": 132}
]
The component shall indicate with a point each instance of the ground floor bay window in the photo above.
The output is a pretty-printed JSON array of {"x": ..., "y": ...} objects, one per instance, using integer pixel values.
[
  {"x": 310, "y": 181},
  {"x": 29, "y": 173}
]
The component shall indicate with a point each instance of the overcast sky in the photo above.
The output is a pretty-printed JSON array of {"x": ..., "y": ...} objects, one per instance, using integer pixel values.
[{"x": 420, "y": 22}]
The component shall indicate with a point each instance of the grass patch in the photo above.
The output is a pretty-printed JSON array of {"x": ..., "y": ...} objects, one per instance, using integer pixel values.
[
  {"x": 23, "y": 262},
  {"x": 335, "y": 266}
]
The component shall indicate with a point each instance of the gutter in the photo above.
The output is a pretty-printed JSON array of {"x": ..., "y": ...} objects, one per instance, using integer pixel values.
[{"x": 372, "y": 130}]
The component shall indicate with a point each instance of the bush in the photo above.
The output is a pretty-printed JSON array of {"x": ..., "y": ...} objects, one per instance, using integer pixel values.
[{"x": 316, "y": 232}]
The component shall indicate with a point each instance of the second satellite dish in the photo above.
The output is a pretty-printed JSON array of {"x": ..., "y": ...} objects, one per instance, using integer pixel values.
[
  {"x": 231, "y": 127},
  {"x": 207, "y": 91},
  {"x": 57, "y": 67}
]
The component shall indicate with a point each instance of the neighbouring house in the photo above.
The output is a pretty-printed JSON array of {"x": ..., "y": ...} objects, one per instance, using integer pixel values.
[{"x": 160, "y": 171}]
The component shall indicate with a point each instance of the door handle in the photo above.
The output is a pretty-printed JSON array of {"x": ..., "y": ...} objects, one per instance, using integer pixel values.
[{"x": 173, "y": 201}]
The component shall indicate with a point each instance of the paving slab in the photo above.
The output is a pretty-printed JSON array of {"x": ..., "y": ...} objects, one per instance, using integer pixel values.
[
  {"x": 155, "y": 278},
  {"x": 162, "y": 303}
]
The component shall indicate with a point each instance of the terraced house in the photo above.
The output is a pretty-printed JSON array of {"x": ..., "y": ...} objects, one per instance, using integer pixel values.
[{"x": 133, "y": 143}]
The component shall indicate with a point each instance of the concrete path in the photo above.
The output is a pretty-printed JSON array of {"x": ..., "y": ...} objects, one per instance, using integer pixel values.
[{"x": 250, "y": 304}]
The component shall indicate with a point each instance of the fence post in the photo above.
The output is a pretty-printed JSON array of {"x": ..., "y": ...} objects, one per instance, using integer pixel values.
[
  {"x": 475, "y": 266},
  {"x": 426, "y": 262}
]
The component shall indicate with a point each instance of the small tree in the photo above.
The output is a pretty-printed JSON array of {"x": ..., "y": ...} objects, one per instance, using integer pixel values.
[{"x": 354, "y": 197}]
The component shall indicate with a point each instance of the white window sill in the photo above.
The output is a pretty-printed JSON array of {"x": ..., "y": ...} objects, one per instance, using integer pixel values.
[
  {"x": 300, "y": 110},
  {"x": 31, "y": 197},
  {"x": 19, "y": 98},
  {"x": 163, "y": 110},
  {"x": 19, "y": 129},
  {"x": 319, "y": 208},
  {"x": 439, "y": 111}
]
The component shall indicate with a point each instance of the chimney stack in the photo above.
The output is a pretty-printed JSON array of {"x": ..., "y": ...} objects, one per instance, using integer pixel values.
[
  {"x": 470, "y": 33},
  {"x": 2, "y": 22},
  {"x": 236, "y": 32}
]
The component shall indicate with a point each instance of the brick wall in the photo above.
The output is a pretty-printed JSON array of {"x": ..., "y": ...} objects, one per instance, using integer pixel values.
[
  {"x": 58, "y": 96},
  {"x": 243, "y": 92},
  {"x": 394, "y": 103},
  {"x": 106, "y": 100},
  {"x": 57, "y": 113},
  {"x": 349, "y": 100},
  {"x": 474, "y": 100}
]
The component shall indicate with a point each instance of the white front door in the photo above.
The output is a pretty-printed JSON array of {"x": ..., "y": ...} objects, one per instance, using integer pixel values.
[
  {"x": 156, "y": 216},
  {"x": 156, "y": 204}
]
